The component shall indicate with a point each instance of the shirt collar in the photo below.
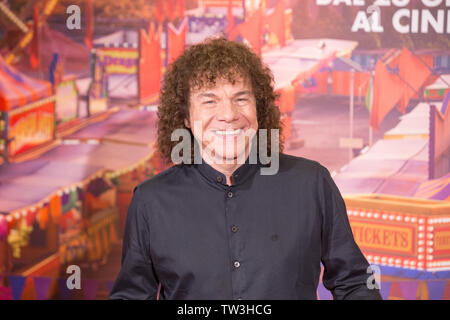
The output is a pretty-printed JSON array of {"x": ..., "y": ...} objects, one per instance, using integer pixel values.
[{"x": 240, "y": 175}]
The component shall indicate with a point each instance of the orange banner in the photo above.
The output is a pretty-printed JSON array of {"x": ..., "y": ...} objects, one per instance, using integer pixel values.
[
  {"x": 441, "y": 244},
  {"x": 31, "y": 128},
  {"x": 384, "y": 237}
]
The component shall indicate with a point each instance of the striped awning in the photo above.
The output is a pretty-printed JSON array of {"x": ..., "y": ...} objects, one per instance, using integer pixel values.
[
  {"x": 436, "y": 189},
  {"x": 17, "y": 89}
]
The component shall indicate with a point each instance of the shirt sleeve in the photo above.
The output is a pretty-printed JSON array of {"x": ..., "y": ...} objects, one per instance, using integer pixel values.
[
  {"x": 136, "y": 279},
  {"x": 346, "y": 270}
]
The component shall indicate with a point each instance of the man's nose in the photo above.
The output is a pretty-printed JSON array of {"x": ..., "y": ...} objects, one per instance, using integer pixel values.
[{"x": 227, "y": 111}]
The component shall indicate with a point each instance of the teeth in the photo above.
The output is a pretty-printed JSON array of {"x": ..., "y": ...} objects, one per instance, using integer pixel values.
[{"x": 237, "y": 131}]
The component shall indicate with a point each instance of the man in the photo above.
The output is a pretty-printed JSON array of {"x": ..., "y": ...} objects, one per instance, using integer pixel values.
[{"x": 220, "y": 228}]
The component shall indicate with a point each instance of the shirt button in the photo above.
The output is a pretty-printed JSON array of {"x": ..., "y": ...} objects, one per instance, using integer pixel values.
[
  {"x": 234, "y": 228},
  {"x": 237, "y": 264},
  {"x": 230, "y": 194},
  {"x": 219, "y": 179}
]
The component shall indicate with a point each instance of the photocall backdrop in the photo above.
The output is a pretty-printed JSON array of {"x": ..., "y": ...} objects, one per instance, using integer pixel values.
[{"x": 364, "y": 90}]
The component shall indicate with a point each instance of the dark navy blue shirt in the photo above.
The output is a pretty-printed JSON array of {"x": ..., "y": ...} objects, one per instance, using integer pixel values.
[{"x": 263, "y": 237}]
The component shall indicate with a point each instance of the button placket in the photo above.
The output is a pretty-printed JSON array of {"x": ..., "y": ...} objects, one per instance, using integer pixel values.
[{"x": 238, "y": 269}]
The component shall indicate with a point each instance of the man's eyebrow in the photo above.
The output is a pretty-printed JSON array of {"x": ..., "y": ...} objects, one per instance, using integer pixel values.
[
  {"x": 212, "y": 95},
  {"x": 241, "y": 93},
  {"x": 207, "y": 95}
]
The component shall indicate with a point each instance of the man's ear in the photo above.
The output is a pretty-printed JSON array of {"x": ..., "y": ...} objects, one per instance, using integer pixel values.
[{"x": 186, "y": 123}]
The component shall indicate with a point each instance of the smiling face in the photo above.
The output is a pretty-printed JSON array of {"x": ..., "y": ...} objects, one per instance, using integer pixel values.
[{"x": 223, "y": 119}]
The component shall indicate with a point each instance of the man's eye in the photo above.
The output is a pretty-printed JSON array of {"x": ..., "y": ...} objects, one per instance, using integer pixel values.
[
  {"x": 208, "y": 102},
  {"x": 242, "y": 100}
]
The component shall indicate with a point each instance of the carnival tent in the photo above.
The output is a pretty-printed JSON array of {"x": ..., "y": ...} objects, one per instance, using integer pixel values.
[
  {"x": 286, "y": 69},
  {"x": 436, "y": 189},
  {"x": 440, "y": 83},
  {"x": 109, "y": 155},
  {"x": 29, "y": 183},
  {"x": 300, "y": 59},
  {"x": 413, "y": 124},
  {"x": 119, "y": 38},
  {"x": 345, "y": 64},
  {"x": 439, "y": 88},
  {"x": 17, "y": 89},
  {"x": 122, "y": 141},
  {"x": 126, "y": 126},
  {"x": 73, "y": 55},
  {"x": 395, "y": 167}
]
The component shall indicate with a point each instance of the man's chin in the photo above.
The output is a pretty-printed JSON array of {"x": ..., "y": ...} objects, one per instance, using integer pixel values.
[
  {"x": 232, "y": 158},
  {"x": 224, "y": 156}
]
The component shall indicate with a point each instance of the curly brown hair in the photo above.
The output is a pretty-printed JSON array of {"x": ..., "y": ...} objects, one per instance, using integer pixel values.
[{"x": 202, "y": 64}]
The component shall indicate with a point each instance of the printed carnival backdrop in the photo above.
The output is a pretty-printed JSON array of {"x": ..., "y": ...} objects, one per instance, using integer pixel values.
[{"x": 364, "y": 90}]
